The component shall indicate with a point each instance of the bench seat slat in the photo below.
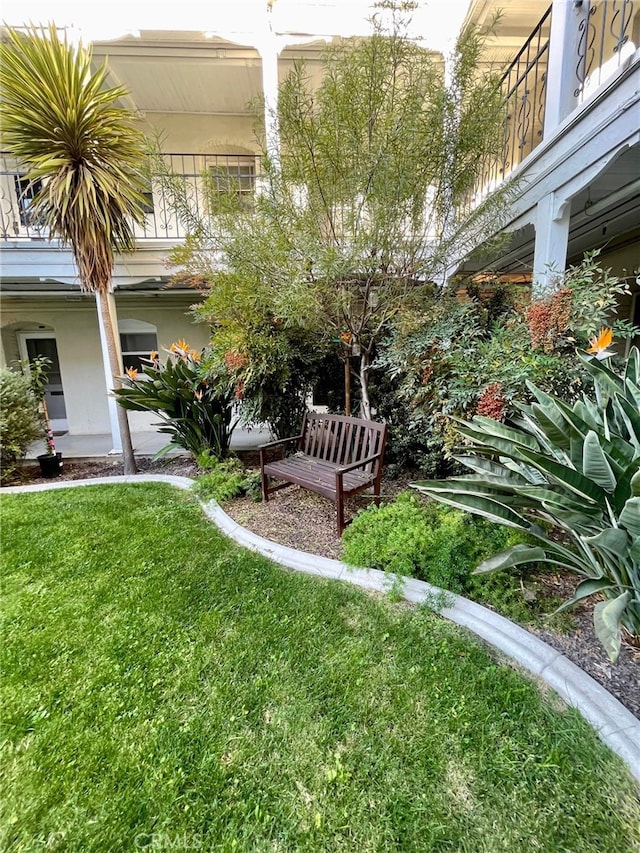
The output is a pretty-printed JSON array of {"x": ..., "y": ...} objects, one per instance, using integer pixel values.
[{"x": 316, "y": 475}]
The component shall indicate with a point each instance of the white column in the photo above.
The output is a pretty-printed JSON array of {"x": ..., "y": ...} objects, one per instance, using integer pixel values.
[
  {"x": 268, "y": 49},
  {"x": 552, "y": 238},
  {"x": 450, "y": 263},
  {"x": 562, "y": 76},
  {"x": 108, "y": 377}
]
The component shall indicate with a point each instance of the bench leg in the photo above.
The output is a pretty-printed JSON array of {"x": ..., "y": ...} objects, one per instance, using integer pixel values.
[
  {"x": 376, "y": 492},
  {"x": 340, "y": 512},
  {"x": 265, "y": 487}
]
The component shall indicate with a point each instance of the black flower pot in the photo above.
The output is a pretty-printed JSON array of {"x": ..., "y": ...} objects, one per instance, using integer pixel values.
[{"x": 50, "y": 464}]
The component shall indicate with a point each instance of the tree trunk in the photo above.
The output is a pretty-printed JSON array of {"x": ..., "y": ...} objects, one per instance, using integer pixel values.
[
  {"x": 128, "y": 458},
  {"x": 347, "y": 386},
  {"x": 364, "y": 387}
]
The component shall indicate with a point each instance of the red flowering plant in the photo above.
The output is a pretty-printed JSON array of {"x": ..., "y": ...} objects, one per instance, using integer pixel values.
[
  {"x": 479, "y": 355},
  {"x": 191, "y": 394},
  {"x": 549, "y": 319},
  {"x": 235, "y": 363},
  {"x": 492, "y": 403}
]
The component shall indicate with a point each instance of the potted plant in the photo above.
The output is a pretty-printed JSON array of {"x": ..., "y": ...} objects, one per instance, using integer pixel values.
[{"x": 51, "y": 460}]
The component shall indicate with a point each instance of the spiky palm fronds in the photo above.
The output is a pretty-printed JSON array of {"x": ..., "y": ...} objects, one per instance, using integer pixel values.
[{"x": 62, "y": 123}]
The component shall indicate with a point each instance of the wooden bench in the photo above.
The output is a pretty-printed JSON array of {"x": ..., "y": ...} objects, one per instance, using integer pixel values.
[{"x": 334, "y": 455}]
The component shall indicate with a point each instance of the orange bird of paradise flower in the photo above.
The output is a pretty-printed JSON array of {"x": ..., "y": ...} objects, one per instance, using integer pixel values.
[
  {"x": 599, "y": 345},
  {"x": 132, "y": 373},
  {"x": 180, "y": 347}
]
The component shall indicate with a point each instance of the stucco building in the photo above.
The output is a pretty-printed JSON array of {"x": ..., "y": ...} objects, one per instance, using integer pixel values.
[{"x": 572, "y": 87}]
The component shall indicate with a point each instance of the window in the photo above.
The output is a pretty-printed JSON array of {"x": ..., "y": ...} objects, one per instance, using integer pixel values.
[
  {"x": 147, "y": 204},
  {"x": 234, "y": 176},
  {"x": 137, "y": 340},
  {"x": 26, "y": 191}
]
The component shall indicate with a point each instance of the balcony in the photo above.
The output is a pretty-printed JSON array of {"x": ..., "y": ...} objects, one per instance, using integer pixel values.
[
  {"x": 194, "y": 176},
  {"x": 607, "y": 35}
]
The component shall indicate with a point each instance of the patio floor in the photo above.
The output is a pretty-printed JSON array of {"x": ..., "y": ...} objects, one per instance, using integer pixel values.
[{"x": 144, "y": 443}]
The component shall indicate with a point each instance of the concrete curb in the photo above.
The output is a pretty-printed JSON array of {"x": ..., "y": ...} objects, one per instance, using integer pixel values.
[{"x": 615, "y": 725}]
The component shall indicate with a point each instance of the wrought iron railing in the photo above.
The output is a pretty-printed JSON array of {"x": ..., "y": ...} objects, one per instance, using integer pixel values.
[
  {"x": 605, "y": 41},
  {"x": 193, "y": 177},
  {"x": 605, "y": 38},
  {"x": 524, "y": 84}
]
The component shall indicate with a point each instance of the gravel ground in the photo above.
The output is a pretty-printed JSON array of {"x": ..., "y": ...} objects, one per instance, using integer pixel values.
[{"x": 303, "y": 520}]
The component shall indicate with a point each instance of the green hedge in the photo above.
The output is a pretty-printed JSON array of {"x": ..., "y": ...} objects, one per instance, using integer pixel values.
[{"x": 426, "y": 540}]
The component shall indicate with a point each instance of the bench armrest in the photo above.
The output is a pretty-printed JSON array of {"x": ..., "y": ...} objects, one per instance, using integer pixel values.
[
  {"x": 280, "y": 441},
  {"x": 353, "y": 466},
  {"x": 264, "y": 448}
]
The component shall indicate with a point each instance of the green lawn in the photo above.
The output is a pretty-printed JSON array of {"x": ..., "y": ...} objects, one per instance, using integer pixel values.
[{"x": 164, "y": 689}]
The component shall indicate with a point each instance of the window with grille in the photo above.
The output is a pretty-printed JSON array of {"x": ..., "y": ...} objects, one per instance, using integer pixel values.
[
  {"x": 147, "y": 204},
  {"x": 234, "y": 176},
  {"x": 137, "y": 340}
]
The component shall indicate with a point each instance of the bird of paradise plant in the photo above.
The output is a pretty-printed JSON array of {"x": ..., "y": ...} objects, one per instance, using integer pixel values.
[
  {"x": 574, "y": 469},
  {"x": 600, "y": 344},
  {"x": 192, "y": 397}
]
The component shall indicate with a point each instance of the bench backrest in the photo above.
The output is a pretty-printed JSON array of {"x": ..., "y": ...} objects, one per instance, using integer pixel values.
[{"x": 342, "y": 440}]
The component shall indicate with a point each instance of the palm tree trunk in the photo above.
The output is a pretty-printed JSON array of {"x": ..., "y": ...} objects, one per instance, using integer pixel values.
[{"x": 128, "y": 458}]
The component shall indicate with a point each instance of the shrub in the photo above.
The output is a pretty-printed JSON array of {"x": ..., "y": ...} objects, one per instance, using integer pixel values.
[
  {"x": 477, "y": 356},
  {"x": 38, "y": 372},
  {"x": 575, "y": 468},
  {"x": 20, "y": 422},
  {"x": 394, "y": 537},
  {"x": 427, "y": 540},
  {"x": 273, "y": 367},
  {"x": 226, "y": 480},
  {"x": 191, "y": 395}
]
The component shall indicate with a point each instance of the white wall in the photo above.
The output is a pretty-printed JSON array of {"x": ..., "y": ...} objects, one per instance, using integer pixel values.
[
  {"x": 202, "y": 134},
  {"x": 75, "y": 327},
  {"x": 623, "y": 262},
  {"x": 168, "y": 315},
  {"x": 74, "y": 324}
]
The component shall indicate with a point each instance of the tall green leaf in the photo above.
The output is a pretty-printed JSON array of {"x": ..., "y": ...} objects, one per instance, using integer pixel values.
[
  {"x": 566, "y": 477},
  {"x": 514, "y": 556},
  {"x": 595, "y": 465},
  {"x": 630, "y": 517},
  {"x": 612, "y": 539},
  {"x": 607, "y": 616}
]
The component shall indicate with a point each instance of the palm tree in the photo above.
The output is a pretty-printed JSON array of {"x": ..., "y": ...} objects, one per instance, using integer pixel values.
[{"x": 61, "y": 122}]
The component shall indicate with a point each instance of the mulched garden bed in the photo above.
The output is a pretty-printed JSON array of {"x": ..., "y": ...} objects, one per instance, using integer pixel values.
[{"x": 303, "y": 520}]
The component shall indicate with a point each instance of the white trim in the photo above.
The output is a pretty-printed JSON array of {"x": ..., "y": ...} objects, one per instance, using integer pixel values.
[
  {"x": 108, "y": 378},
  {"x": 25, "y": 335}
]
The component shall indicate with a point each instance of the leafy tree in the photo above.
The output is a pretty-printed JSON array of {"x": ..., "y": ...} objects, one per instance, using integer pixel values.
[
  {"x": 60, "y": 121},
  {"x": 364, "y": 209}
]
